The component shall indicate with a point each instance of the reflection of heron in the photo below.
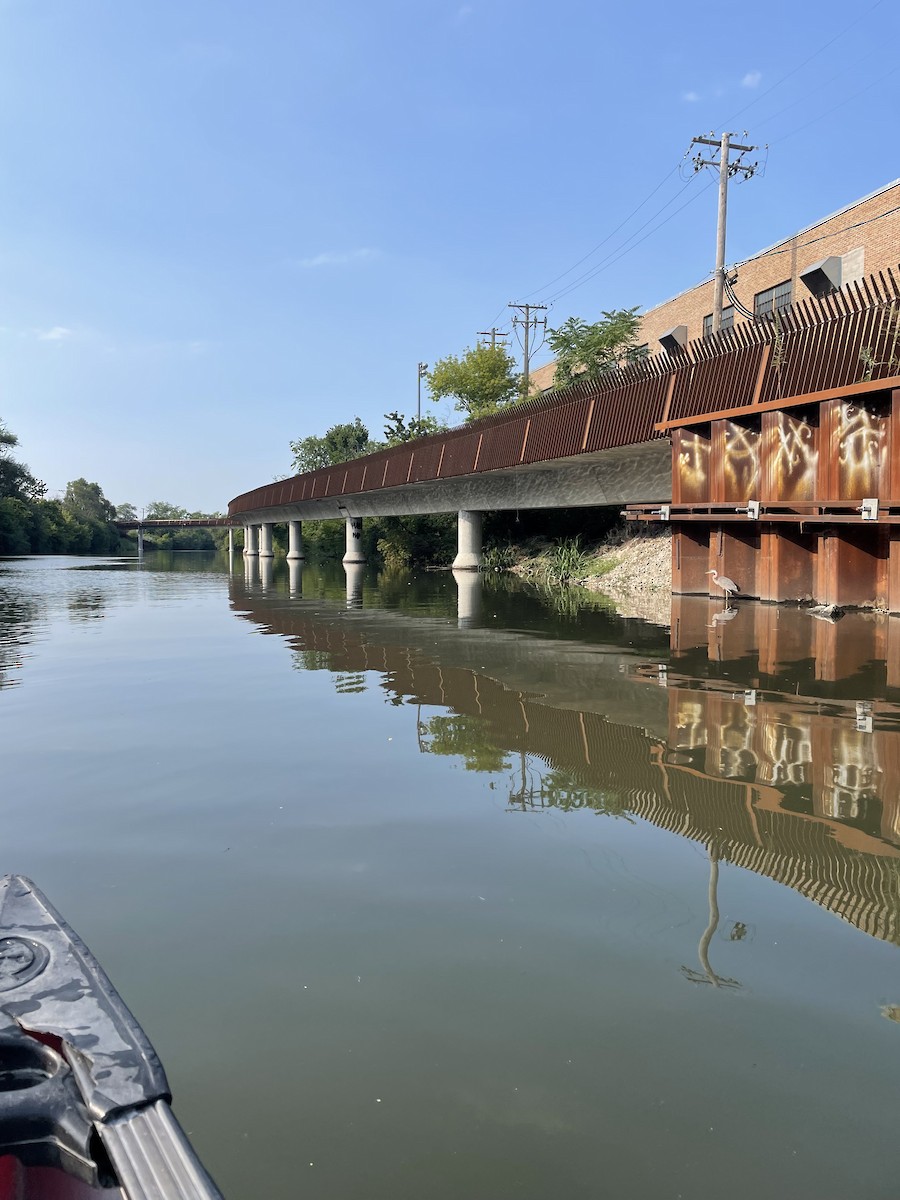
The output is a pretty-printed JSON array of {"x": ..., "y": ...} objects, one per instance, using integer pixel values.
[
  {"x": 728, "y": 586},
  {"x": 708, "y": 975},
  {"x": 727, "y": 614}
]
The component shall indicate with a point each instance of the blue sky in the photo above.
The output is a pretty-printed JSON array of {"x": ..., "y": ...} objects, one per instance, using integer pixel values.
[{"x": 224, "y": 225}]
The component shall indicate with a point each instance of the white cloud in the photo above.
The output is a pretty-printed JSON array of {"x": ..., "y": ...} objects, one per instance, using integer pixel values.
[
  {"x": 464, "y": 12},
  {"x": 59, "y": 333},
  {"x": 690, "y": 97},
  {"x": 751, "y": 79},
  {"x": 331, "y": 258}
]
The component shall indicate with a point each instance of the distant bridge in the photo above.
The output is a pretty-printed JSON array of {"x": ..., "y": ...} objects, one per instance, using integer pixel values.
[
  {"x": 772, "y": 427},
  {"x": 141, "y": 526},
  {"x": 205, "y": 523}
]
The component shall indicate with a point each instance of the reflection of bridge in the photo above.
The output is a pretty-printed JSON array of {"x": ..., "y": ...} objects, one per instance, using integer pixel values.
[
  {"x": 142, "y": 526},
  {"x": 783, "y": 468},
  {"x": 797, "y": 789}
]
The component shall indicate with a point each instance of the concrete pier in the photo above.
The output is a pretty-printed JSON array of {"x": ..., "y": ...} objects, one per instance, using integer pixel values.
[
  {"x": 468, "y": 527},
  {"x": 295, "y": 540},
  {"x": 355, "y": 572},
  {"x": 265, "y": 540},
  {"x": 251, "y": 541},
  {"x": 295, "y": 578},
  {"x": 468, "y": 604},
  {"x": 354, "y": 552}
]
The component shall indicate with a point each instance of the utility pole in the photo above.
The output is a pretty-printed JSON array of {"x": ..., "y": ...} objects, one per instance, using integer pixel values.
[
  {"x": 726, "y": 169},
  {"x": 423, "y": 371},
  {"x": 527, "y": 322},
  {"x": 492, "y": 334}
]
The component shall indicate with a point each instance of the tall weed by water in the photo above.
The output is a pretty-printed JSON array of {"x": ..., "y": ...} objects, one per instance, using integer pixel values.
[{"x": 566, "y": 562}]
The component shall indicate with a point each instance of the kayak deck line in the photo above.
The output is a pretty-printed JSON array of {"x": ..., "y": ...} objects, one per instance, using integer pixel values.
[{"x": 81, "y": 1087}]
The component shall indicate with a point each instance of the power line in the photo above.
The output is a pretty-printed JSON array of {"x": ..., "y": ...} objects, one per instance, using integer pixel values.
[
  {"x": 589, "y": 274},
  {"x": 823, "y": 237},
  {"x": 611, "y": 234},
  {"x": 827, "y": 113},
  {"x": 613, "y": 258},
  {"x": 800, "y": 66}
]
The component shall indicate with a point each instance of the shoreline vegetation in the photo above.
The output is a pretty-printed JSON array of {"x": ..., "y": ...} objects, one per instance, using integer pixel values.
[{"x": 632, "y": 571}]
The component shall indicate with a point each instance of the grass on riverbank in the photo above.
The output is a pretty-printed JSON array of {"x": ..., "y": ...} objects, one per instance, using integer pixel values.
[{"x": 633, "y": 569}]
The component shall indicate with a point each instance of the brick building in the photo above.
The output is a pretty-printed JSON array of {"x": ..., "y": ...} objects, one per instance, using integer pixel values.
[{"x": 858, "y": 240}]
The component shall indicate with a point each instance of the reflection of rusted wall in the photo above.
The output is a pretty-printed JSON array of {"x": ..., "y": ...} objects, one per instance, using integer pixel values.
[{"x": 728, "y": 776}]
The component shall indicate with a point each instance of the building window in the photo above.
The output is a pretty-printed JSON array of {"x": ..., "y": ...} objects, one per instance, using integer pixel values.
[
  {"x": 727, "y": 321},
  {"x": 772, "y": 299}
]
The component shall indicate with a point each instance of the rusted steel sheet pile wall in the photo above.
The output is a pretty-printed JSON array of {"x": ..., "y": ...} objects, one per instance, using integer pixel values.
[
  {"x": 792, "y": 488},
  {"x": 813, "y": 346}
]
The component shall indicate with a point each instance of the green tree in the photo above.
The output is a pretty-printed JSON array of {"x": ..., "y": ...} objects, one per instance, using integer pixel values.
[
  {"x": 161, "y": 510},
  {"x": 16, "y": 481},
  {"x": 87, "y": 509},
  {"x": 126, "y": 512},
  {"x": 481, "y": 382},
  {"x": 338, "y": 444},
  {"x": 399, "y": 428},
  {"x": 584, "y": 351},
  {"x": 86, "y": 502}
]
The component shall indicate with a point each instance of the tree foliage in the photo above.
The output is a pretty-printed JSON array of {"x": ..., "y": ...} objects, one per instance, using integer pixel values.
[
  {"x": 85, "y": 502},
  {"x": 480, "y": 382},
  {"x": 584, "y": 351},
  {"x": 16, "y": 481},
  {"x": 338, "y": 444},
  {"x": 399, "y": 428}
]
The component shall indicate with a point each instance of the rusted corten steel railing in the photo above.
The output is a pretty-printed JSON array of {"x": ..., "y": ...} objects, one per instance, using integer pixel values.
[{"x": 841, "y": 339}]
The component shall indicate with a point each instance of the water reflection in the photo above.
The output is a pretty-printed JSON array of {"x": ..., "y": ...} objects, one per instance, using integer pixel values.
[
  {"x": 798, "y": 783},
  {"x": 87, "y": 604},
  {"x": 18, "y": 615}
]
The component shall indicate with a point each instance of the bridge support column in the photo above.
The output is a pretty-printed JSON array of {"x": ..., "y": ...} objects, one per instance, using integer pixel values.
[
  {"x": 468, "y": 605},
  {"x": 295, "y": 578},
  {"x": 295, "y": 539},
  {"x": 251, "y": 542},
  {"x": 355, "y": 571},
  {"x": 468, "y": 529},
  {"x": 140, "y": 541},
  {"x": 354, "y": 541},
  {"x": 230, "y": 542},
  {"x": 265, "y": 540}
]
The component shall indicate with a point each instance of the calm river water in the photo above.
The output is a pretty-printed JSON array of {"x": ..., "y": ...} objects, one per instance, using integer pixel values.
[{"x": 451, "y": 890}]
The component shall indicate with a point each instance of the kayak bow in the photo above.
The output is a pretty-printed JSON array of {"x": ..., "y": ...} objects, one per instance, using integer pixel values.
[{"x": 81, "y": 1087}]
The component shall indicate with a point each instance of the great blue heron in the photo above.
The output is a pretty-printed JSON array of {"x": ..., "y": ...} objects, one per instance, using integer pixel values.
[{"x": 728, "y": 586}]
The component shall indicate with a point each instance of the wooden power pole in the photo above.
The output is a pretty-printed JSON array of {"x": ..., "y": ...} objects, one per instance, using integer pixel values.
[{"x": 726, "y": 169}]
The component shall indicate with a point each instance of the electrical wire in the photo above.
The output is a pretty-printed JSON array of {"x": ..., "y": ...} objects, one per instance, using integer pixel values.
[
  {"x": 799, "y": 67},
  {"x": 610, "y": 235},
  {"x": 821, "y": 116},
  {"x": 790, "y": 249},
  {"x": 615, "y": 257},
  {"x": 588, "y": 274}
]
